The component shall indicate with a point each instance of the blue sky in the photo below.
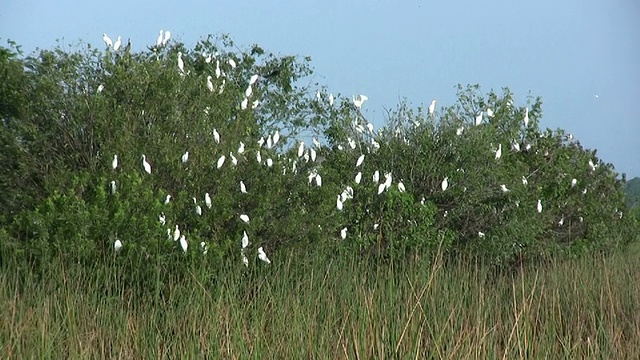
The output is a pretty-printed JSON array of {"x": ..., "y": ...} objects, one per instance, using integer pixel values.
[{"x": 564, "y": 51}]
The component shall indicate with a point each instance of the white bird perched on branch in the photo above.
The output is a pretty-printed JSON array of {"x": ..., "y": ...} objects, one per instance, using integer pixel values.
[
  {"x": 117, "y": 245},
  {"x": 146, "y": 165},
  {"x": 116, "y": 45},
  {"x": 160, "y": 38},
  {"x": 432, "y": 107},
  {"x": 114, "y": 163},
  {"x": 107, "y": 40},
  {"x": 359, "y": 100},
  {"x": 207, "y": 200},
  {"x": 445, "y": 184},
  {"x": 263, "y": 256},
  {"x": 180, "y": 62}
]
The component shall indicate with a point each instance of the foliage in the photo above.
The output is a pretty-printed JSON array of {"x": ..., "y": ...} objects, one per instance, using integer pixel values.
[
  {"x": 66, "y": 114},
  {"x": 633, "y": 192}
]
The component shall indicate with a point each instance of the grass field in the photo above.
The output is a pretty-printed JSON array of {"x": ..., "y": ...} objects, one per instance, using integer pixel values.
[{"x": 330, "y": 308}]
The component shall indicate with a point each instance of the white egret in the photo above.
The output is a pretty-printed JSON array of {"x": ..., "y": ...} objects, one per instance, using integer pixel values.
[
  {"x": 221, "y": 161},
  {"x": 343, "y": 233},
  {"x": 218, "y": 72},
  {"x": 330, "y": 99},
  {"x": 352, "y": 143},
  {"x": 481, "y": 234},
  {"x": 539, "y": 206},
  {"x": 401, "y": 187},
  {"x": 107, "y": 40},
  {"x": 526, "y": 117},
  {"x": 113, "y": 187},
  {"x": 375, "y": 226},
  {"x": 185, "y": 157},
  {"x": 146, "y": 165},
  {"x": 116, "y": 45},
  {"x": 592, "y": 165},
  {"x": 167, "y": 36},
  {"x": 269, "y": 142},
  {"x": 318, "y": 97},
  {"x": 234, "y": 161},
  {"x": 248, "y": 92},
  {"x": 515, "y": 145},
  {"x": 245, "y": 240},
  {"x": 259, "y": 157},
  {"x": 232, "y": 63},
  {"x": 432, "y": 107},
  {"x": 387, "y": 180},
  {"x": 318, "y": 180},
  {"x": 499, "y": 152},
  {"x": 180, "y": 62},
  {"x": 216, "y": 136},
  {"x": 167, "y": 199},
  {"x": 504, "y": 188},
  {"x": 489, "y": 112},
  {"x": 210, "y": 83},
  {"x": 117, "y": 245},
  {"x": 241, "y": 148},
  {"x": 204, "y": 248},
  {"x": 276, "y": 137},
  {"x": 358, "y": 177},
  {"x": 198, "y": 210},
  {"x": 114, "y": 162},
  {"x": 479, "y": 118},
  {"x": 245, "y": 218},
  {"x": 524, "y": 180},
  {"x": 253, "y": 79},
  {"x": 245, "y": 261},
  {"x": 445, "y": 184},
  {"x": 263, "y": 256},
  {"x": 339, "y": 203},
  {"x": 176, "y": 234},
  {"x": 243, "y": 188},
  {"x": 561, "y": 222},
  {"x": 370, "y": 128},
  {"x": 207, "y": 200},
  {"x": 316, "y": 143},
  {"x": 381, "y": 188},
  {"x": 574, "y": 182},
  {"x": 160, "y": 37},
  {"x": 269, "y": 162},
  {"x": 163, "y": 220},
  {"x": 459, "y": 130},
  {"x": 376, "y": 176},
  {"x": 313, "y": 154},
  {"x": 183, "y": 243},
  {"x": 359, "y": 101},
  {"x": 360, "y": 160},
  {"x": 100, "y": 88},
  {"x": 301, "y": 149},
  {"x": 255, "y": 104},
  {"x": 244, "y": 104}
]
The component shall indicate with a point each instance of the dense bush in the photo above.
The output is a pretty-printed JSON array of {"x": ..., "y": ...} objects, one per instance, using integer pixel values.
[{"x": 66, "y": 114}]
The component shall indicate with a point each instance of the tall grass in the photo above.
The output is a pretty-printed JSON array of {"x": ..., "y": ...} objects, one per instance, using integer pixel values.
[{"x": 328, "y": 307}]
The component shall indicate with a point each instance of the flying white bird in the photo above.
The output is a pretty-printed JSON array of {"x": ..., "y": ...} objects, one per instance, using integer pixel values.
[
  {"x": 432, "y": 107},
  {"x": 445, "y": 184},
  {"x": 207, "y": 200},
  {"x": 183, "y": 243},
  {"x": 263, "y": 256},
  {"x": 107, "y": 40},
  {"x": 359, "y": 101},
  {"x": 114, "y": 162},
  {"x": 117, "y": 245},
  {"x": 185, "y": 157},
  {"x": 116, "y": 45},
  {"x": 244, "y": 218},
  {"x": 539, "y": 206},
  {"x": 146, "y": 165}
]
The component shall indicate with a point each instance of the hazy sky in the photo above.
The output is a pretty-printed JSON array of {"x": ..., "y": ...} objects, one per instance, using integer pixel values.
[{"x": 564, "y": 51}]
